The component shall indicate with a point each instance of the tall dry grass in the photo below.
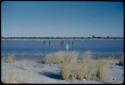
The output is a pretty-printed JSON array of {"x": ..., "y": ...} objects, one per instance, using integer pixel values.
[
  {"x": 86, "y": 57},
  {"x": 87, "y": 67},
  {"x": 121, "y": 62},
  {"x": 81, "y": 71},
  {"x": 60, "y": 58},
  {"x": 10, "y": 59},
  {"x": 75, "y": 71},
  {"x": 11, "y": 78},
  {"x": 102, "y": 71}
]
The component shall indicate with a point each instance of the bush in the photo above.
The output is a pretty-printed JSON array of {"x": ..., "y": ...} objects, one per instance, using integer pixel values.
[
  {"x": 10, "y": 59},
  {"x": 11, "y": 78},
  {"x": 60, "y": 58},
  {"x": 121, "y": 62},
  {"x": 87, "y": 68},
  {"x": 86, "y": 57},
  {"x": 65, "y": 71},
  {"x": 89, "y": 71},
  {"x": 101, "y": 71}
]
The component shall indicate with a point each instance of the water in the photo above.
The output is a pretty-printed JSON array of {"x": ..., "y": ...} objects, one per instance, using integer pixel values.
[{"x": 44, "y": 47}]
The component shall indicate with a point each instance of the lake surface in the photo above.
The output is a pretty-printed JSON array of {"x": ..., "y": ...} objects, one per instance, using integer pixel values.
[{"x": 44, "y": 47}]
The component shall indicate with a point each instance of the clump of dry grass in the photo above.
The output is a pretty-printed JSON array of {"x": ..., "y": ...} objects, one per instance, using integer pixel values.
[
  {"x": 89, "y": 71},
  {"x": 121, "y": 62},
  {"x": 53, "y": 59},
  {"x": 86, "y": 57},
  {"x": 10, "y": 59},
  {"x": 111, "y": 61},
  {"x": 101, "y": 71},
  {"x": 11, "y": 78},
  {"x": 65, "y": 72},
  {"x": 88, "y": 68},
  {"x": 78, "y": 71},
  {"x": 60, "y": 58}
]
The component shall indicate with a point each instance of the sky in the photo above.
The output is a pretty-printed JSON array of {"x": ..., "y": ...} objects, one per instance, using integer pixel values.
[{"x": 62, "y": 19}]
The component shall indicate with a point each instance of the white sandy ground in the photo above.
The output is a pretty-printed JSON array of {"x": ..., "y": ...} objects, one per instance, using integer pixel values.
[{"x": 36, "y": 72}]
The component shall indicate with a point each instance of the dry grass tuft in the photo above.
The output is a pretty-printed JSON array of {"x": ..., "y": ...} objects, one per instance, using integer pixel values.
[
  {"x": 10, "y": 59},
  {"x": 65, "y": 71},
  {"x": 89, "y": 71},
  {"x": 60, "y": 58},
  {"x": 111, "y": 62},
  {"x": 86, "y": 57},
  {"x": 11, "y": 78},
  {"x": 78, "y": 71},
  {"x": 101, "y": 71},
  {"x": 121, "y": 62}
]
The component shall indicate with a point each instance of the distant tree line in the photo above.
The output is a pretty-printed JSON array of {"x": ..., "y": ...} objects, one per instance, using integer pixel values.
[{"x": 92, "y": 37}]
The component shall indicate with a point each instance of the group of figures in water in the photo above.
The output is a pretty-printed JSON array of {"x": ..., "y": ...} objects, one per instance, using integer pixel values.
[{"x": 64, "y": 44}]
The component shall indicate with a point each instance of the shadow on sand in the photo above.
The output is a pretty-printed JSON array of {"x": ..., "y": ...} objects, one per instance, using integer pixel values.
[{"x": 51, "y": 75}]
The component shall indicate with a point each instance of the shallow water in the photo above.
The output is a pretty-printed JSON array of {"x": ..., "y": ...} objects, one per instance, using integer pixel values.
[{"x": 44, "y": 47}]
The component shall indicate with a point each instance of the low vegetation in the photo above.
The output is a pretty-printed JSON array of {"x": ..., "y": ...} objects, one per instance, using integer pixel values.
[
  {"x": 101, "y": 71},
  {"x": 86, "y": 57},
  {"x": 10, "y": 78},
  {"x": 83, "y": 68},
  {"x": 10, "y": 59},
  {"x": 60, "y": 58},
  {"x": 79, "y": 71},
  {"x": 121, "y": 61},
  {"x": 73, "y": 69},
  {"x": 87, "y": 68}
]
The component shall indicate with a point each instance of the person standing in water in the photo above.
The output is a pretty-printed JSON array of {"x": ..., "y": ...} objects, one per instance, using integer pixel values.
[
  {"x": 49, "y": 43},
  {"x": 62, "y": 43}
]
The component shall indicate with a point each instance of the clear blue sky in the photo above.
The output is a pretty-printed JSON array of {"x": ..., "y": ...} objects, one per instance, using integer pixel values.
[{"x": 62, "y": 18}]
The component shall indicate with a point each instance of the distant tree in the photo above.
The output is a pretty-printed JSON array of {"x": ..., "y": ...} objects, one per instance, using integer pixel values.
[
  {"x": 108, "y": 37},
  {"x": 89, "y": 37},
  {"x": 93, "y": 36},
  {"x": 99, "y": 37}
]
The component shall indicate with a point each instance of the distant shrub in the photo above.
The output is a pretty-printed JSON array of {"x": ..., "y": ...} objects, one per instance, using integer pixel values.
[
  {"x": 88, "y": 68},
  {"x": 121, "y": 62},
  {"x": 11, "y": 78},
  {"x": 10, "y": 59},
  {"x": 60, "y": 58},
  {"x": 86, "y": 57},
  {"x": 111, "y": 61}
]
